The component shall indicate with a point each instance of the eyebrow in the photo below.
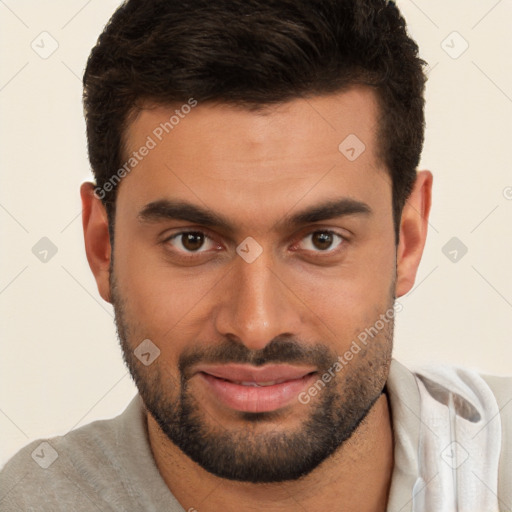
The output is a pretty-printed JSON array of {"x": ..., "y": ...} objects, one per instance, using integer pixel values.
[{"x": 166, "y": 209}]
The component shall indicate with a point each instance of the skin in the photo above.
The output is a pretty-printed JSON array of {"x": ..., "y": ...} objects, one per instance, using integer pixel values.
[{"x": 255, "y": 169}]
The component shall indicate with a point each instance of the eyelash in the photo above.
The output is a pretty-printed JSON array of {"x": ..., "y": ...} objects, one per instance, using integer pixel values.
[{"x": 193, "y": 255}]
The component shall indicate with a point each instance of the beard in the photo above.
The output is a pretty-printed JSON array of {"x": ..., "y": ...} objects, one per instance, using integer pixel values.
[{"x": 259, "y": 449}]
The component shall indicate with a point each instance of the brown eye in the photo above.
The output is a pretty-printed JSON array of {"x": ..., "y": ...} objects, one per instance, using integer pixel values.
[
  {"x": 323, "y": 241},
  {"x": 190, "y": 242}
]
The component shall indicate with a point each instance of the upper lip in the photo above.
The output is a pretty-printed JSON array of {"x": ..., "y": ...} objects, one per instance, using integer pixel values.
[{"x": 248, "y": 373}]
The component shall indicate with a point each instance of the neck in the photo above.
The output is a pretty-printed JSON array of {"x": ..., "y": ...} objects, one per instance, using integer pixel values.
[{"x": 355, "y": 478}]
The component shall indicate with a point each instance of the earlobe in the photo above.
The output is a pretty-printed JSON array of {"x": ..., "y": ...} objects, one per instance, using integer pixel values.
[
  {"x": 96, "y": 238},
  {"x": 413, "y": 232}
]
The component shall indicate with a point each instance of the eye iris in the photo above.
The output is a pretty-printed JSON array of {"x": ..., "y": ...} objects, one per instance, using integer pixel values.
[
  {"x": 322, "y": 240},
  {"x": 192, "y": 241}
]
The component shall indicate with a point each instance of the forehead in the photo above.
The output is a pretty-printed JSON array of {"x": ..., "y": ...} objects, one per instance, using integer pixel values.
[{"x": 235, "y": 160}]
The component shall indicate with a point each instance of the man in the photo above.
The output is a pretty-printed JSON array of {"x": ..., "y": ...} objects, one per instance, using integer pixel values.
[{"x": 256, "y": 213}]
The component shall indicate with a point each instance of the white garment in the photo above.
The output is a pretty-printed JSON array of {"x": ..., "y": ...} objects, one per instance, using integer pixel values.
[{"x": 460, "y": 443}]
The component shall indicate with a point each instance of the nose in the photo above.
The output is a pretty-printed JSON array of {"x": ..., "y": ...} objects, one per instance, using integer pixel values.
[{"x": 257, "y": 304}]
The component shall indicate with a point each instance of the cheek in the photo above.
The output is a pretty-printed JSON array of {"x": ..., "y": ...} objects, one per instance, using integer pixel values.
[
  {"x": 350, "y": 297},
  {"x": 348, "y": 313},
  {"x": 162, "y": 301}
]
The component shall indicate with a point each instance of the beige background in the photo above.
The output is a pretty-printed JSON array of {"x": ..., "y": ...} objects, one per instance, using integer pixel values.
[{"x": 60, "y": 364}]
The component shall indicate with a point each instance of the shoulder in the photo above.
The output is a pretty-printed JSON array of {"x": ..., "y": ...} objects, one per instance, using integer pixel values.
[
  {"x": 483, "y": 391},
  {"x": 502, "y": 389},
  {"x": 489, "y": 394},
  {"x": 63, "y": 471},
  {"x": 476, "y": 410}
]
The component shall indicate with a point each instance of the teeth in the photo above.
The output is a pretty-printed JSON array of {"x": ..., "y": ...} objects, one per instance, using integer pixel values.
[{"x": 258, "y": 384}]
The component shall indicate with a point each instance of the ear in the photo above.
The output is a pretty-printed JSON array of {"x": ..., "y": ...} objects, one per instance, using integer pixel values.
[
  {"x": 96, "y": 237},
  {"x": 413, "y": 232}
]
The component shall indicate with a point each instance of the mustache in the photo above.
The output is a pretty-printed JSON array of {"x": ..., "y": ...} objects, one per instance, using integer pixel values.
[{"x": 281, "y": 349}]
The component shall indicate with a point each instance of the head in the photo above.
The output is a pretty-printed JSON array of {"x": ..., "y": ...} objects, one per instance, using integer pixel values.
[{"x": 255, "y": 163}]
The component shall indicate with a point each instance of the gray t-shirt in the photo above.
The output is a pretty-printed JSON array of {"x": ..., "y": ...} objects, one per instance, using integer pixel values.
[{"x": 107, "y": 465}]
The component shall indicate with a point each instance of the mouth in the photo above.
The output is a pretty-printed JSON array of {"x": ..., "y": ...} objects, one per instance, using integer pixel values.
[{"x": 247, "y": 388}]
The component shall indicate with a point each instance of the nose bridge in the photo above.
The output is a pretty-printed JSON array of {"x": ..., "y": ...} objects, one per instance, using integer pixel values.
[{"x": 256, "y": 307}]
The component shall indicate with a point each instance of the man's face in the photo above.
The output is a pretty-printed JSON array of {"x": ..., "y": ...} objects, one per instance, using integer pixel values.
[{"x": 249, "y": 316}]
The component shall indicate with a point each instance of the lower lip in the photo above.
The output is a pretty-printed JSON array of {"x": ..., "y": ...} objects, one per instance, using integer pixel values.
[{"x": 252, "y": 398}]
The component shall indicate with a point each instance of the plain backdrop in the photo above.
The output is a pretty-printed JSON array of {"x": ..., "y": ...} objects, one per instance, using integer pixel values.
[{"x": 61, "y": 365}]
